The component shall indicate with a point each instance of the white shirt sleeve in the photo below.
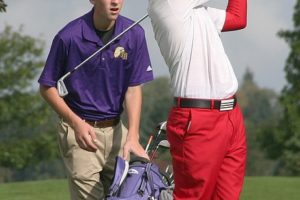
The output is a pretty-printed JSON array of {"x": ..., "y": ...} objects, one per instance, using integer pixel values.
[
  {"x": 218, "y": 17},
  {"x": 183, "y": 8}
]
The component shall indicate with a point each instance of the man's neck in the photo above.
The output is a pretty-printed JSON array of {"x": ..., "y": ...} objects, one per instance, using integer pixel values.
[{"x": 103, "y": 24}]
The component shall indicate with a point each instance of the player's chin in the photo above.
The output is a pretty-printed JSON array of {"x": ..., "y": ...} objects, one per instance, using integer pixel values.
[{"x": 113, "y": 16}]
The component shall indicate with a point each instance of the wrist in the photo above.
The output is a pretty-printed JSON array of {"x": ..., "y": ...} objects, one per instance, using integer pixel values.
[{"x": 133, "y": 135}]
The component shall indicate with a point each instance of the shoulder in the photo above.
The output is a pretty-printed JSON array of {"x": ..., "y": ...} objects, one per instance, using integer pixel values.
[
  {"x": 73, "y": 29},
  {"x": 126, "y": 22}
]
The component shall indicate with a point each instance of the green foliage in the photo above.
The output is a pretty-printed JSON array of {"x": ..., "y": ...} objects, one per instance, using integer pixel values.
[
  {"x": 2, "y": 6},
  {"x": 157, "y": 101},
  {"x": 261, "y": 112},
  {"x": 257, "y": 103},
  {"x": 21, "y": 153},
  {"x": 21, "y": 59},
  {"x": 26, "y": 122},
  {"x": 288, "y": 136},
  {"x": 20, "y": 104}
]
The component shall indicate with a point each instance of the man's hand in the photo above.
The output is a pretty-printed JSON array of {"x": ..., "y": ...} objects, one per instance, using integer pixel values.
[
  {"x": 85, "y": 136},
  {"x": 132, "y": 145}
]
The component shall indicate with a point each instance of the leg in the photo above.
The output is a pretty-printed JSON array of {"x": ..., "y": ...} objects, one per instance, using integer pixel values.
[
  {"x": 199, "y": 140},
  {"x": 115, "y": 138},
  {"x": 231, "y": 175},
  {"x": 83, "y": 167}
]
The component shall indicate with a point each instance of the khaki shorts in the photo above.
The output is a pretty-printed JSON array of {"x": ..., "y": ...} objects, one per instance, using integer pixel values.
[{"x": 90, "y": 173}]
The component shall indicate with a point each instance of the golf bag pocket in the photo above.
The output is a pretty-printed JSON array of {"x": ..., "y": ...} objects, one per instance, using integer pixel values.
[{"x": 142, "y": 181}]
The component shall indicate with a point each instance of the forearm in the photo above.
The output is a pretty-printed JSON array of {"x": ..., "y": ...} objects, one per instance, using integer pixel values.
[
  {"x": 133, "y": 104},
  {"x": 236, "y": 15},
  {"x": 50, "y": 94}
]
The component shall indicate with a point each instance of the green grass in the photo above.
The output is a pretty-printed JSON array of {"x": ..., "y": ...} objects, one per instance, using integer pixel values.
[
  {"x": 271, "y": 188},
  {"x": 255, "y": 188},
  {"x": 35, "y": 190}
]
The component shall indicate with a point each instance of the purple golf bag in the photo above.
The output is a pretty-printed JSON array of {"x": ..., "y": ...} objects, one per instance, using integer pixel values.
[{"x": 138, "y": 180}]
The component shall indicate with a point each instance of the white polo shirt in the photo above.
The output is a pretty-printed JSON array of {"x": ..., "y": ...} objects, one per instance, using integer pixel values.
[{"x": 187, "y": 34}]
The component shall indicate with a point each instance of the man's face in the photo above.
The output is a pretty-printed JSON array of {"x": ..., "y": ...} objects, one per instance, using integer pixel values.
[{"x": 107, "y": 9}]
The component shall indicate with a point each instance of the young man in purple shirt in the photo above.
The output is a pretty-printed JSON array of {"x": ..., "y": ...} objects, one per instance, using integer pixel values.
[{"x": 90, "y": 132}]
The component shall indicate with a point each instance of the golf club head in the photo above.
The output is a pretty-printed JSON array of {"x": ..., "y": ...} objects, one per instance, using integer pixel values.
[
  {"x": 61, "y": 88},
  {"x": 162, "y": 126},
  {"x": 164, "y": 143}
]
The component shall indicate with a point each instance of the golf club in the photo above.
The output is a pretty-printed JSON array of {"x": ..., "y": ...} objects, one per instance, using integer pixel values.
[
  {"x": 162, "y": 143},
  {"x": 148, "y": 144},
  {"x": 161, "y": 128},
  {"x": 61, "y": 87},
  {"x": 167, "y": 169}
]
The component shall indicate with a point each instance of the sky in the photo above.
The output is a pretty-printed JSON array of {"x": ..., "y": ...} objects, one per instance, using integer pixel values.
[{"x": 257, "y": 47}]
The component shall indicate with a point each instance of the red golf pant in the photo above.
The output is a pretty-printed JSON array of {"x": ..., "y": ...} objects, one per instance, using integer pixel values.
[{"x": 208, "y": 149}]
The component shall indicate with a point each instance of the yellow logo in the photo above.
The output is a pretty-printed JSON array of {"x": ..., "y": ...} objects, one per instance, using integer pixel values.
[{"x": 120, "y": 52}]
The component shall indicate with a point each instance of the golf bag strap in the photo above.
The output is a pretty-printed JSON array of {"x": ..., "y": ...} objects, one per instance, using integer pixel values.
[
  {"x": 142, "y": 187},
  {"x": 120, "y": 166},
  {"x": 148, "y": 171},
  {"x": 114, "y": 190},
  {"x": 147, "y": 176}
]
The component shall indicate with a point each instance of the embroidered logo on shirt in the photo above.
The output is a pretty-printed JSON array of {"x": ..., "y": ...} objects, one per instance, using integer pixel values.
[{"x": 120, "y": 52}]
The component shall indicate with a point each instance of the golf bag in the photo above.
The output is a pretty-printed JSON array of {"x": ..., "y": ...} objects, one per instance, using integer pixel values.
[{"x": 138, "y": 180}]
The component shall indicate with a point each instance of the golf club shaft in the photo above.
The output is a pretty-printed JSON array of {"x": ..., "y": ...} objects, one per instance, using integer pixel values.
[
  {"x": 148, "y": 144},
  {"x": 107, "y": 44}
]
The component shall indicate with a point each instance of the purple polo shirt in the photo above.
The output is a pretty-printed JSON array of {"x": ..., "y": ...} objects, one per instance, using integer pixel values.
[{"x": 97, "y": 89}]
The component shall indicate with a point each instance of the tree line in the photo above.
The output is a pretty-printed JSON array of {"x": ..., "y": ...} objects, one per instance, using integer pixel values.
[{"x": 28, "y": 146}]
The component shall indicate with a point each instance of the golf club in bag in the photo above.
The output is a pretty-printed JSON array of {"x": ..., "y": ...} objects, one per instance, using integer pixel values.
[
  {"x": 141, "y": 179},
  {"x": 61, "y": 87},
  {"x": 161, "y": 128}
]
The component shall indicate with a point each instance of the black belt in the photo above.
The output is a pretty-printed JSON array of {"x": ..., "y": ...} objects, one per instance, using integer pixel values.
[
  {"x": 222, "y": 105},
  {"x": 104, "y": 123}
]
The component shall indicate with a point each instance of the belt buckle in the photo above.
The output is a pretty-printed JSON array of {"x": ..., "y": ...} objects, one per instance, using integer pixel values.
[{"x": 227, "y": 104}]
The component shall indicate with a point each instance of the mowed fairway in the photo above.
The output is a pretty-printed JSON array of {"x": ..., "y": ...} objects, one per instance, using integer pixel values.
[
  {"x": 35, "y": 190},
  {"x": 271, "y": 188},
  {"x": 256, "y": 188}
]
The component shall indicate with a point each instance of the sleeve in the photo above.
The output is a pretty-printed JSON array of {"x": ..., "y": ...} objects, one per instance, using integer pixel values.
[
  {"x": 234, "y": 18},
  {"x": 55, "y": 63},
  {"x": 236, "y": 15},
  {"x": 142, "y": 70},
  {"x": 183, "y": 8}
]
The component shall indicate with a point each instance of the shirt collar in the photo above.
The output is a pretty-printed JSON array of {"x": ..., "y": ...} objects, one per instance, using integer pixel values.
[{"x": 88, "y": 29}]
